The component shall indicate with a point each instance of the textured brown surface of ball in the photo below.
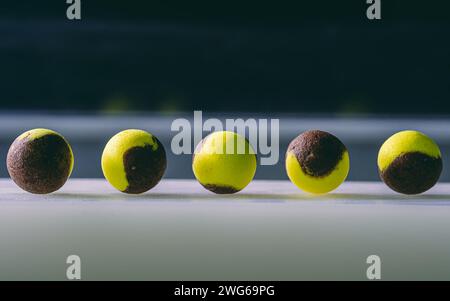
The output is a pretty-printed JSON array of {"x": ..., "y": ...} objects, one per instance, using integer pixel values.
[
  {"x": 152, "y": 165},
  {"x": 412, "y": 173},
  {"x": 318, "y": 152}
]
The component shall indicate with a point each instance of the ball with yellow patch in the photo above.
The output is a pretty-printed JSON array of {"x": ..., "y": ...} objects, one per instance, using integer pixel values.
[
  {"x": 40, "y": 161},
  {"x": 134, "y": 161},
  {"x": 317, "y": 162},
  {"x": 409, "y": 162},
  {"x": 224, "y": 162}
]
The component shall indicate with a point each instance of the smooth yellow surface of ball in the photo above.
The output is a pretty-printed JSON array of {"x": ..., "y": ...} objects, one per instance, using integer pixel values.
[
  {"x": 224, "y": 162},
  {"x": 134, "y": 161}
]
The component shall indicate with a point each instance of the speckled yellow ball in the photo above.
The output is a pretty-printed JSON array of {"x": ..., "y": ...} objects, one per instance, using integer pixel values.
[
  {"x": 134, "y": 161},
  {"x": 224, "y": 162},
  {"x": 317, "y": 162},
  {"x": 40, "y": 161},
  {"x": 409, "y": 162}
]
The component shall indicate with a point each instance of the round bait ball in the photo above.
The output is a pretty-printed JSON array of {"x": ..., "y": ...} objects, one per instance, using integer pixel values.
[
  {"x": 134, "y": 161},
  {"x": 40, "y": 161},
  {"x": 224, "y": 162},
  {"x": 317, "y": 162},
  {"x": 409, "y": 162}
]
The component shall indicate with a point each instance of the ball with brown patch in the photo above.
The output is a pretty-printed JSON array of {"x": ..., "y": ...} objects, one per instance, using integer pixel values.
[
  {"x": 40, "y": 161},
  {"x": 134, "y": 161},
  {"x": 317, "y": 162},
  {"x": 410, "y": 162},
  {"x": 224, "y": 162}
]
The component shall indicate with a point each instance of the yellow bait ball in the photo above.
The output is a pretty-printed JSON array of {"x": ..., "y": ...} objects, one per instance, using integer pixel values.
[
  {"x": 409, "y": 162},
  {"x": 317, "y": 162},
  {"x": 134, "y": 161},
  {"x": 224, "y": 162}
]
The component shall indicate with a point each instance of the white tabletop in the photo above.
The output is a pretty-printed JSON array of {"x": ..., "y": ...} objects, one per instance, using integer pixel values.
[
  {"x": 257, "y": 190},
  {"x": 180, "y": 231}
]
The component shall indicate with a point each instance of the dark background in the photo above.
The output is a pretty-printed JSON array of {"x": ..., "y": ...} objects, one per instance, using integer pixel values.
[{"x": 285, "y": 56}]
